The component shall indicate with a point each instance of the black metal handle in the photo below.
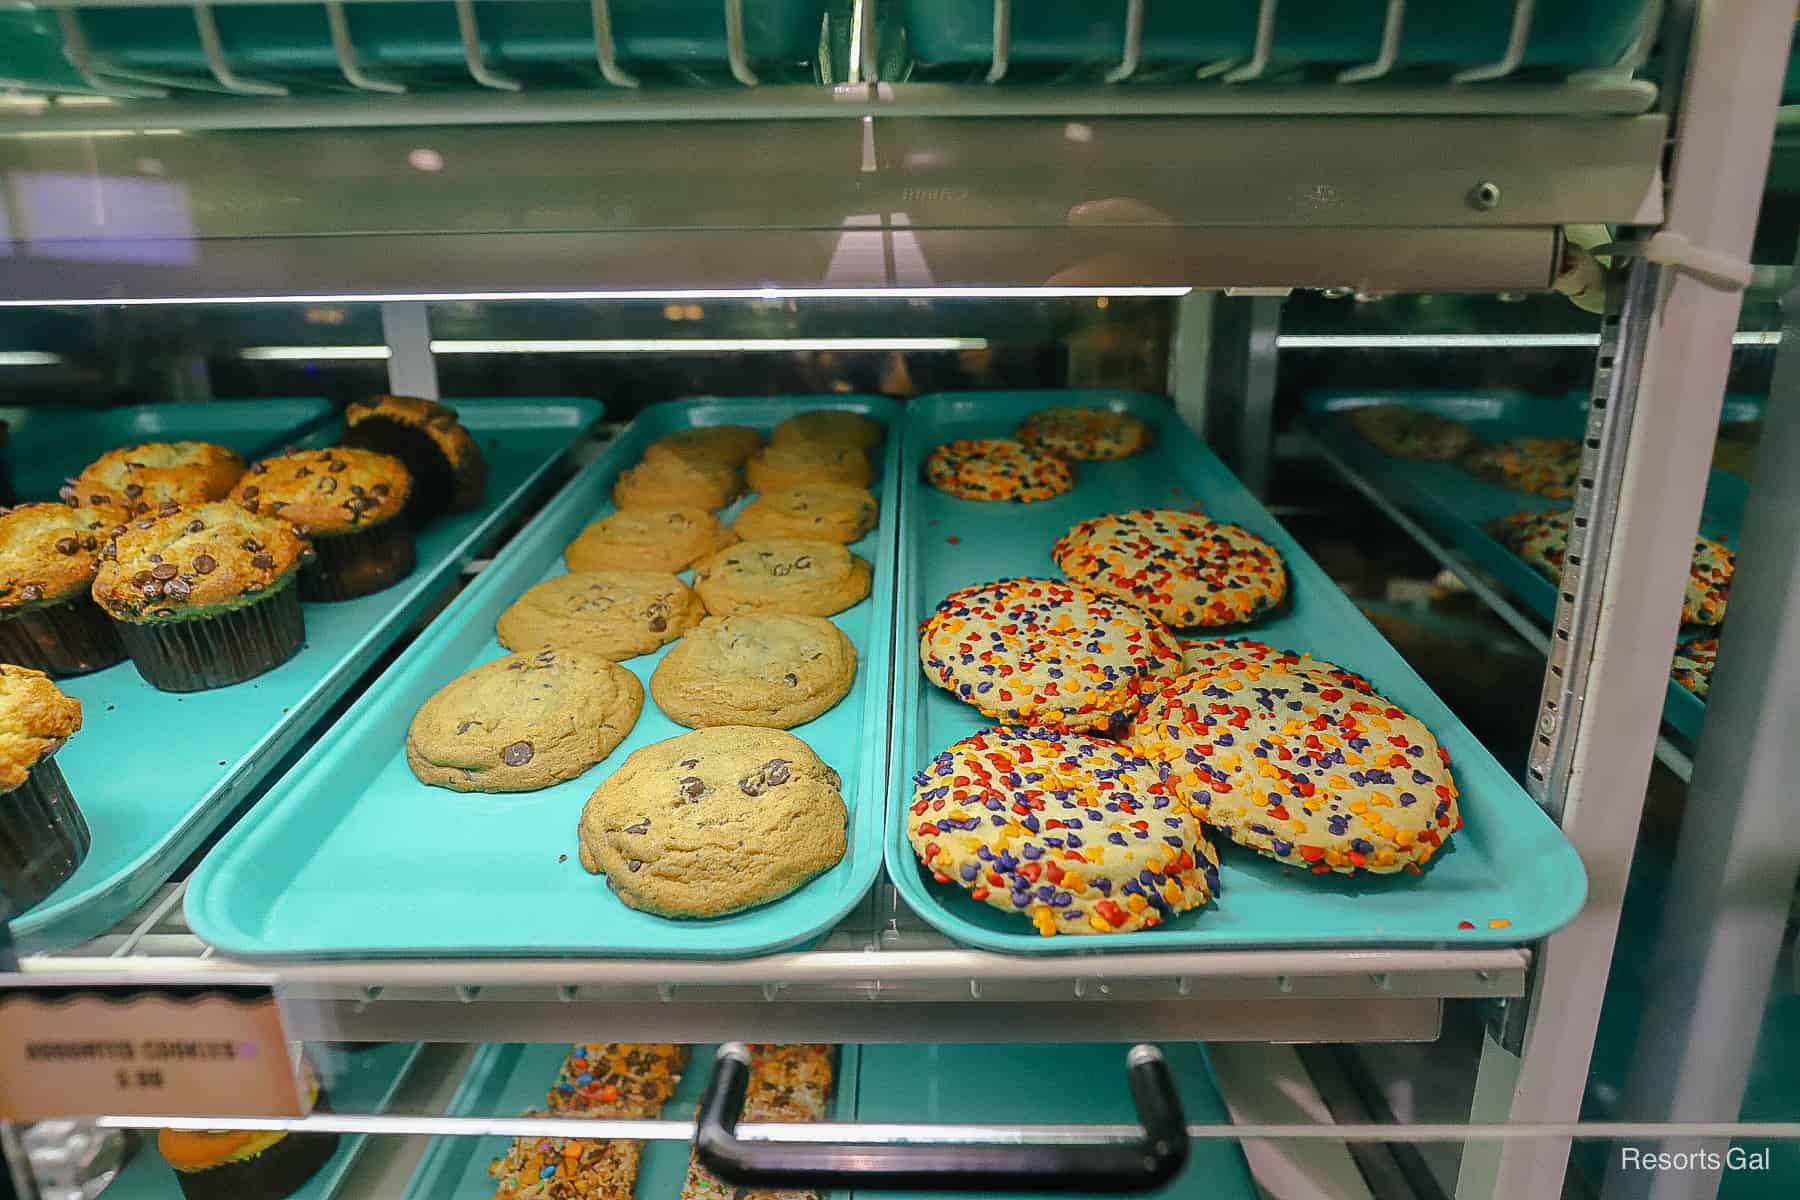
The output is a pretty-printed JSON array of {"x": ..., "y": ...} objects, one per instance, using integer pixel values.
[{"x": 1148, "y": 1161}]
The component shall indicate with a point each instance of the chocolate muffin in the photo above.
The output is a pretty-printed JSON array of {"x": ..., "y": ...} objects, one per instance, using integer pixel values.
[
  {"x": 349, "y": 503},
  {"x": 48, "y": 619},
  {"x": 446, "y": 464},
  {"x": 140, "y": 478},
  {"x": 204, "y": 596},
  {"x": 43, "y": 837}
]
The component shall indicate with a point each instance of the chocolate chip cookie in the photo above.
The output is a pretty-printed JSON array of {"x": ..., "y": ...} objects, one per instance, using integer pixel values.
[
  {"x": 776, "y": 467},
  {"x": 727, "y": 445},
  {"x": 612, "y": 614},
  {"x": 714, "y": 821},
  {"x": 523, "y": 722},
  {"x": 831, "y": 512},
  {"x": 647, "y": 539},
  {"x": 674, "y": 481},
  {"x": 831, "y": 426},
  {"x": 774, "y": 670},
  {"x": 791, "y": 575}
]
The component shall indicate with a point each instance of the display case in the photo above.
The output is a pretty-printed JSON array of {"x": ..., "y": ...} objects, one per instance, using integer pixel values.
[{"x": 1310, "y": 267}]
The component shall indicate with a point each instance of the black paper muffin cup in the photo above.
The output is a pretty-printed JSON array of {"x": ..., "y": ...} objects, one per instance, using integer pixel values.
[
  {"x": 349, "y": 565},
  {"x": 70, "y": 638},
  {"x": 209, "y": 652},
  {"x": 43, "y": 836},
  {"x": 277, "y": 1171},
  {"x": 433, "y": 474}
]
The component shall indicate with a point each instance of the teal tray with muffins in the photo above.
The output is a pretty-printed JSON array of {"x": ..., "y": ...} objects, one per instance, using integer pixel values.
[
  {"x": 1508, "y": 876},
  {"x": 508, "y": 1079},
  {"x": 1460, "y": 506},
  {"x": 156, "y": 773},
  {"x": 351, "y": 855},
  {"x": 363, "y": 1081}
]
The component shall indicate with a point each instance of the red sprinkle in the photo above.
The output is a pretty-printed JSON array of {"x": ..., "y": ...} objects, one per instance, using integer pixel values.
[
  {"x": 953, "y": 539},
  {"x": 1465, "y": 924}
]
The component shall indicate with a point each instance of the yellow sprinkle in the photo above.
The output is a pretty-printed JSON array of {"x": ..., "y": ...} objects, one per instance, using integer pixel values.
[
  {"x": 1339, "y": 782},
  {"x": 1136, "y": 903},
  {"x": 1335, "y": 857},
  {"x": 1099, "y": 925},
  {"x": 1384, "y": 858},
  {"x": 1298, "y": 826},
  {"x": 1403, "y": 838},
  {"x": 1499, "y": 923},
  {"x": 1381, "y": 800},
  {"x": 1359, "y": 807}
]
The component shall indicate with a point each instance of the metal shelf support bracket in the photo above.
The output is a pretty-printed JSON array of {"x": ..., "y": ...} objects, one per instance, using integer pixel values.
[
  {"x": 1264, "y": 50},
  {"x": 1002, "y": 40},
  {"x": 1516, "y": 41},
  {"x": 734, "y": 44},
  {"x": 345, "y": 49},
  {"x": 207, "y": 26},
  {"x": 1134, "y": 43},
  {"x": 1389, "y": 53},
  {"x": 605, "y": 50},
  {"x": 470, "y": 30}
]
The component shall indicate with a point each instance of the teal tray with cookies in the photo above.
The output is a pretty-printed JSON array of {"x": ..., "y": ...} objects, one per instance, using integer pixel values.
[
  {"x": 1084, "y": 838},
  {"x": 359, "y": 1081},
  {"x": 510, "y": 1079},
  {"x": 609, "y": 761},
  {"x": 155, "y": 773},
  {"x": 1463, "y": 507}
]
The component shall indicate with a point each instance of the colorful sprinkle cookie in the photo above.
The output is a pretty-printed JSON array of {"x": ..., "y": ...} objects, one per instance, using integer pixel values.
[
  {"x": 1547, "y": 466},
  {"x": 627, "y": 1080},
  {"x": 1240, "y": 654},
  {"x": 1081, "y": 434},
  {"x": 1045, "y": 652},
  {"x": 1077, "y": 833},
  {"x": 1180, "y": 567},
  {"x": 1694, "y": 665},
  {"x": 1303, "y": 771},
  {"x": 1406, "y": 432},
  {"x": 1542, "y": 540},
  {"x": 996, "y": 469}
]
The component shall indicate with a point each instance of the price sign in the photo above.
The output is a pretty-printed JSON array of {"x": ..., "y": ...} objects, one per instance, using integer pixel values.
[{"x": 99, "y": 1049}]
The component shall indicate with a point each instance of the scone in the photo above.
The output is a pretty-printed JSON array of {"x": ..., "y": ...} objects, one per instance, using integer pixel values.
[
  {"x": 775, "y": 467},
  {"x": 997, "y": 469},
  {"x": 647, "y": 539},
  {"x": 725, "y": 445},
  {"x": 773, "y": 670},
  {"x": 1080, "y": 434},
  {"x": 714, "y": 821},
  {"x": 829, "y": 512},
  {"x": 831, "y": 427},
  {"x": 1179, "y": 567},
  {"x": 1305, "y": 772},
  {"x": 447, "y": 469},
  {"x": 1046, "y": 652},
  {"x": 523, "y": 722},
  {"x": 1407, "y": 432},
  {"x": 672, "y": 481},
  {"x": 139, "y": 479},
  {"x": 612, "y": 614},
  {"x": 788, "y": 575},
  {"x": 1084, "y": 839}
]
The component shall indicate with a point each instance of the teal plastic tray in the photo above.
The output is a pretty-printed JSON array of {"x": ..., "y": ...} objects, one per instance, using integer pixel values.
[
  {"x": 1509, "y": 862},
  {"x": 509, "y": 1078},
  {"x": 1459, "y": 505},
  {"x": 156, "y": 773},
  {"x": 351, "y": 855},
  {"x": 47, "y": 445},
  {"x": 361, "y": 1082},
  {"x": 929, "y": 1083},
  {"x": 1569, "y": 36}
]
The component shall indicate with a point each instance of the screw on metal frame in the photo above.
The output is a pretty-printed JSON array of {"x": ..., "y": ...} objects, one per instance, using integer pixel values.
[
  {"x": 1389, "y": 53},
  {"x": 1485, "y": 195},
  {"x": 605, "y": 51},
  {"x": 1002, "y": 40},
  {"x": 734, "y": 44},
  {"x": 345, "y": 49},
  {"x": 214, "y": 49},
  {"x": 1265, "y": 46},
  {"x": 479, "y": 71},
  {"x": 81, "y": 57},
  {"x": 1134, "y": 43},
  {"x": 1516, "y": 42}
]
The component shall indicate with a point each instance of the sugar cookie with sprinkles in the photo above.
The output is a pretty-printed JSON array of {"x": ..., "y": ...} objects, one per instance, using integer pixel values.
[
  {"x": 1305, "y": 772},
  {"x": 1547, "y": 466},
  {"x": 1079, "y": 434},
  {"x": 1407, "y": 432},
  {"x": 1180, "y": 567},
  {"x": 1078, "y": 834},
  {"x": 997, "y": 469},
  {"x": 1238, "y": 654},
  {"x": 1542, "y": 540},
  {"x": 1046, "y": 652},
  {"x": 1694, "y": 665}
]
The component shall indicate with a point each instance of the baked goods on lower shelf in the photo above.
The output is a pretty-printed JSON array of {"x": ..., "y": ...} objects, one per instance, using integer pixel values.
[
  {"x": 553, "y": 1168},
  {"x": 1180, "y": 567},
  {"x": 233, "y": 1164},
  {"x": 629, "y": 1080},
  {"x": 1408, "y": 432},
  {"x": 787, "y": 1083},
  {"x": 1545, "y": 465},
  {"x": 1541, "y": 538}
]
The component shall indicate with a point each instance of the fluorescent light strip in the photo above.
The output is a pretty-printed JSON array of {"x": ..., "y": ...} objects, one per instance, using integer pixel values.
[
  {"x": 771, "y": 293},
  {"x": 611, "y": 346},
  {"x": 1476, "y": 341},
  {"x": 28, "y": 358}
]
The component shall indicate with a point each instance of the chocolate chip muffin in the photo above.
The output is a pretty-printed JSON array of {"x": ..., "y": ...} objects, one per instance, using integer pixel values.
[
  {"x": 446, "y": 466},
  {"x": 714, "y": 821},
  {"x": 48, "y": 619},
  {"x": 523, "y": 722},
  {"x": 204, "y": 596},
  {"x": 140, "y": 478},
  {"x": 350, "y": 504},
  {"x": 43, "y": 836}
]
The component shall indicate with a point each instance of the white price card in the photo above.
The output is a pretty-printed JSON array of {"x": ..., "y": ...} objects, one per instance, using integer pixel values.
[{"x": 77, "y": 1050}]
